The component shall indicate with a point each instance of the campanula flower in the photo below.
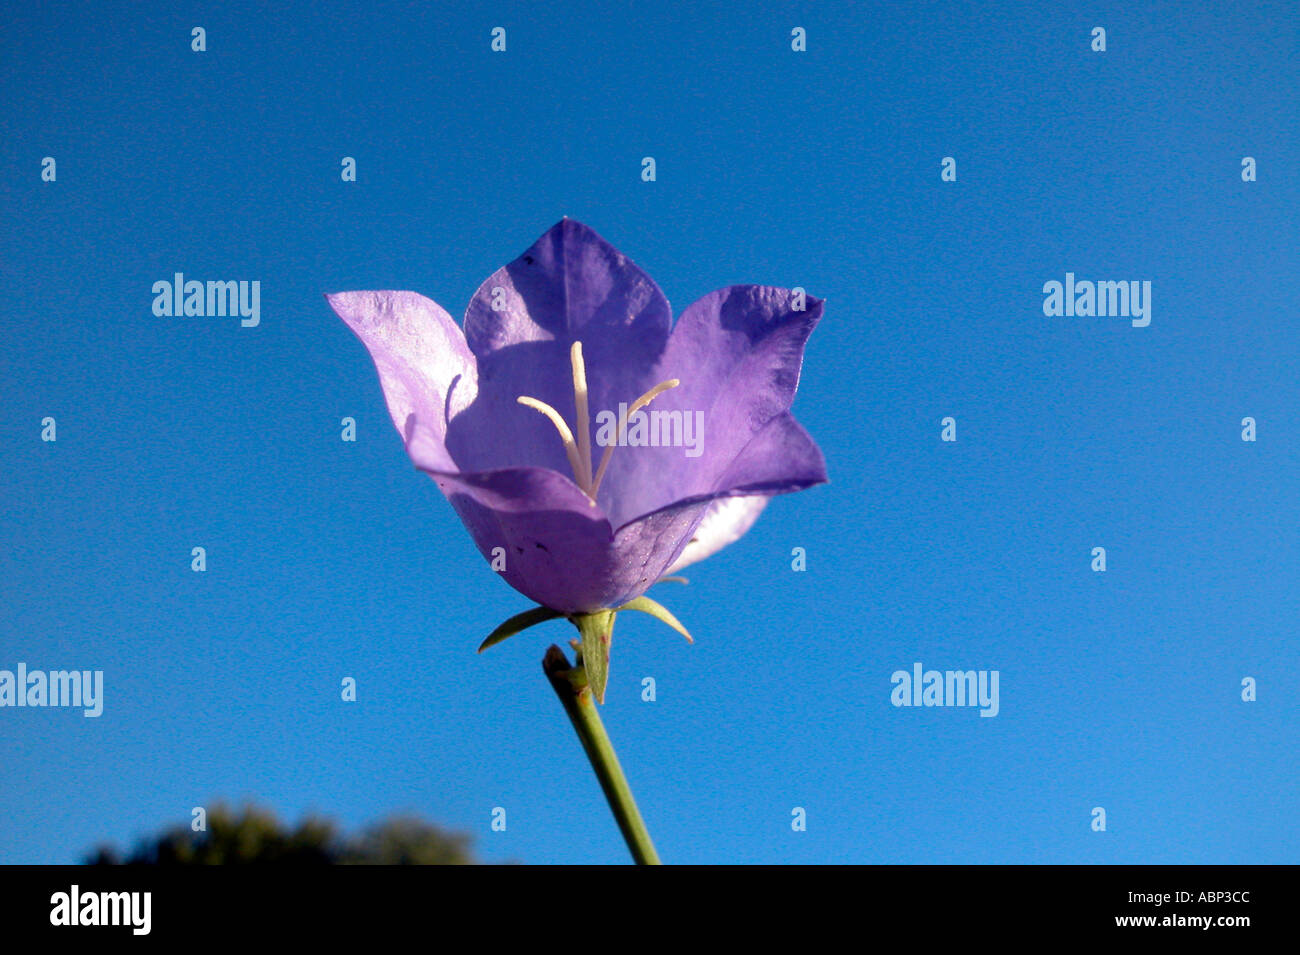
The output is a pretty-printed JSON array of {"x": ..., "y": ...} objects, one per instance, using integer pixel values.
[{"x": 582, "y": 436}]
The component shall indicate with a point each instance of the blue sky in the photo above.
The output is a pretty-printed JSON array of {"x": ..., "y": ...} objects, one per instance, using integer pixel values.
[{"x": 820, "y": 169}]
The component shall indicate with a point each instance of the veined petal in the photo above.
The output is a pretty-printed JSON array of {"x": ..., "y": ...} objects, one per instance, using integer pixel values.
[
  {"x": 571, "y": 285},
  {"x": 737, "y": 353},
  {"x": 424, "y": 364},
  {"x": 780, "y": 459}
]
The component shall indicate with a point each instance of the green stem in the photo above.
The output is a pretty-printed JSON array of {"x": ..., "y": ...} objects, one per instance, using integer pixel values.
[{"x": 570, "y": 684}]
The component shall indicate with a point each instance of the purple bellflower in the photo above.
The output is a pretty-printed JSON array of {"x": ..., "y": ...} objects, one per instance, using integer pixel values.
[{"x": 584, "y": 438}]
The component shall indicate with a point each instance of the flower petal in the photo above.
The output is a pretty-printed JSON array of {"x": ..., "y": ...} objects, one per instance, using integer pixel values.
[
  {"x": 424, "y": 364},
  {"x": 571, "y": 285},
  {"x": 781, "y": 458},
  {"x": 737, "y": 353},
  {"x": 725, "y": 522},
  {"x": 558, "y": 547},
  {"x": 567, "y": 559}
]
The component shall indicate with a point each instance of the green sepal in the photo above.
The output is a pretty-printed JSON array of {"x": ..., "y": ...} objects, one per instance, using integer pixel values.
[
  {"x": 520, "y": 621},
  {"x": 659, "y": 612},
  {"x": 597, "y": 630}
]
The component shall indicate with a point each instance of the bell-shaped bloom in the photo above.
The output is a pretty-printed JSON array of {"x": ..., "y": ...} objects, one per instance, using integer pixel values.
[{"x": 579, "y": 434}]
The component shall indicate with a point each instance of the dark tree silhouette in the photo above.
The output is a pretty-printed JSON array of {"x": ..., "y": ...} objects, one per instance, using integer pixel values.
[{"x": 255, "y": 836}]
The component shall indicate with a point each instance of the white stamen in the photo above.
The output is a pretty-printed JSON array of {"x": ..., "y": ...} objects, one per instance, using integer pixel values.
[
  {"x": 579, "y": 451},
  {"x": 637, "y": 405},
  {"x": 566, "y": 435},
  {"x": 584, "y": 419}
]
